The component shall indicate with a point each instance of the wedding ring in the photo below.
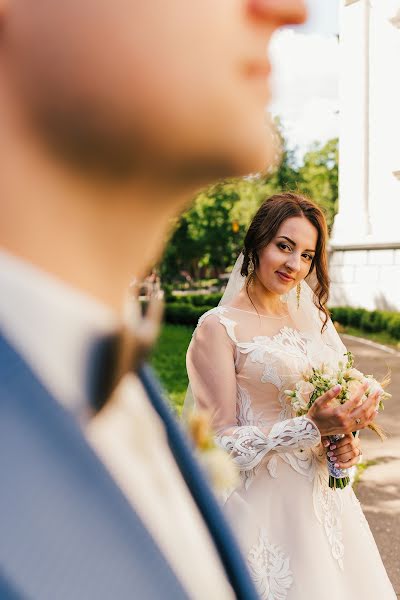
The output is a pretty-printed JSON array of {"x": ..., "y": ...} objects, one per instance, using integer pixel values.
[{"x": 358, "y": 421}]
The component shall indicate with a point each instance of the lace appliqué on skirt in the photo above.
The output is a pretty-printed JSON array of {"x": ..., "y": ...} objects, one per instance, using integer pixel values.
[
  {"x": 270, "y": 569},
  {"x": 328, "y": 507}
]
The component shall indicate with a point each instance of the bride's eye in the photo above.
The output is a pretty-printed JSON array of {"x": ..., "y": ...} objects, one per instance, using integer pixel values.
[
  {"x": 308, "y": 257},
  {"x": 284, "y": 246}
]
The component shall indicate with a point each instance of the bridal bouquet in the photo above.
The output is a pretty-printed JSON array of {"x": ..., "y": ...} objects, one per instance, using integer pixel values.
[{"x": 317, "y": 381}]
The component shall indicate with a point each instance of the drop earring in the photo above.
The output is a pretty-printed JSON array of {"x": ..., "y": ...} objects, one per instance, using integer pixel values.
[
  {"x": 298, "y": 294},
  {"x": 250, "y": 266}
]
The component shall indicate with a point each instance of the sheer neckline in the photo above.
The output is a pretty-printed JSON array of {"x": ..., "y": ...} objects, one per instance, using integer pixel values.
[{"x": 250, "y": 312}]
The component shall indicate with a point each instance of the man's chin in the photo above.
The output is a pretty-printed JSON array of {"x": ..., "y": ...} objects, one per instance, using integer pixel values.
[{"x": 247, "y": 160}]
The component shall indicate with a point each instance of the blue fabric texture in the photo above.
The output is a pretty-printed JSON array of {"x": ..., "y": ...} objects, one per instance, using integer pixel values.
[{"x": 66, "y": 530}]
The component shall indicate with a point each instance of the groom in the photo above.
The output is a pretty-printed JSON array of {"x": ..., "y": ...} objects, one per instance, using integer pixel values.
[{"x": 112, "y": 115}]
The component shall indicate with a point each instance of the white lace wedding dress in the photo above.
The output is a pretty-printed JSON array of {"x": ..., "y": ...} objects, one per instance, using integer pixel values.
[{"x": 302, "y": 540}]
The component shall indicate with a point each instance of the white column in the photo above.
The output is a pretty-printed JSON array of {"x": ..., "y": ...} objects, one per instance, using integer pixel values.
[
  {"x": 365, "y": 262},
  {"x": 385, "y": 122},
  {"x": 352, "y": 222}
]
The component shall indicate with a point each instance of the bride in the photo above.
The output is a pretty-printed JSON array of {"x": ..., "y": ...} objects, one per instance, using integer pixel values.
[{"x": 302, "y": 540}]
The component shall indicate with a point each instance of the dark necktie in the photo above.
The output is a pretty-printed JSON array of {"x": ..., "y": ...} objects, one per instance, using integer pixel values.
[{"x": 111, "y": 357}]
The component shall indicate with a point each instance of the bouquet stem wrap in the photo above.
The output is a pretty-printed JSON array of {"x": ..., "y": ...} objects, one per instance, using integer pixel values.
[{"x": 338, "y": 478}]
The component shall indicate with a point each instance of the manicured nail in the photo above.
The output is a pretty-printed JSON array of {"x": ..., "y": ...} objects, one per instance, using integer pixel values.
[
  {"x": 326, "y": 443},
  {"x": 333, "y": 447},
  {"x": 333, "y": 458},
  {"x": 336, "y": 465},
  {"x": 330, "y": 453},
  {"x": 337, "y": 388}
]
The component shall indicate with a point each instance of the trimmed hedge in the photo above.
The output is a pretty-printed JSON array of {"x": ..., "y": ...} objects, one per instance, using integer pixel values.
[
  {"x": 394, "y": 326},
  {"x": 374, "y": 321},
  {"x": 197, "y": 299},
  {"x": 186, "y": 310},
  {"x": 183, "y": 313}
]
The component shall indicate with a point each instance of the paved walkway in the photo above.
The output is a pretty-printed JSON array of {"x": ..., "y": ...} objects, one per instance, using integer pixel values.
[{"x": 379, "y": 488}]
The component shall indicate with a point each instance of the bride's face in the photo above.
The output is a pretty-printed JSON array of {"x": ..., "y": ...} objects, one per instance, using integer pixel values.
[{"x": 287, "y": 259}]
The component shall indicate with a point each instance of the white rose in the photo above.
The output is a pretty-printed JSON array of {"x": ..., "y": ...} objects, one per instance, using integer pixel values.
[
  {"x": 304, "y": 389},
  {"x": 354, "y": 387},
  {"x": 308, "y": 373},
  {"x": 329, "y": 372},
  {"x": 354, "y": 374},
  {"x": 298, "y": 406},
  {"x": 373, "y": 386}
]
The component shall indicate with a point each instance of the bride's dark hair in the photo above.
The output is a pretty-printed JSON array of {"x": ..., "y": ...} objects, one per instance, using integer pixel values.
[{"x": 264, "y": 227}]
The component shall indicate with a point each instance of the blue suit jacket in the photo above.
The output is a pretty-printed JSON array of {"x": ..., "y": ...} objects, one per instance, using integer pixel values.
[{"x": 66, "y": 530}]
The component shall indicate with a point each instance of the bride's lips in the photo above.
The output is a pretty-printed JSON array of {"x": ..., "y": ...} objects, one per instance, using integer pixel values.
[{"x": 284, "y": 277}]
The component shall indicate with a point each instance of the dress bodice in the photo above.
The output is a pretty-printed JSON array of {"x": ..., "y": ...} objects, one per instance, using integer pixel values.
[
  {"x": 239, "y": 365},
  {"x": 269, "y": 356}
]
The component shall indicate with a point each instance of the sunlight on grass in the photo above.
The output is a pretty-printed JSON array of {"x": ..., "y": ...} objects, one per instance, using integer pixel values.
[{"x": 381, "y": 337}]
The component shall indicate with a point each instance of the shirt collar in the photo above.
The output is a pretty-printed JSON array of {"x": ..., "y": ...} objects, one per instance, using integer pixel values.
[{"x": 54, "y": 327}]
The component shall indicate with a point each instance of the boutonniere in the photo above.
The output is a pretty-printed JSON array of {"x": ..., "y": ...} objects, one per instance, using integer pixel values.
[{"x": 218, "y": 465}]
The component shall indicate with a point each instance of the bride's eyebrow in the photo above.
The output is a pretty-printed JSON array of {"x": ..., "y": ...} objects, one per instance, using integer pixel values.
[{"x": 284, "y": 237}]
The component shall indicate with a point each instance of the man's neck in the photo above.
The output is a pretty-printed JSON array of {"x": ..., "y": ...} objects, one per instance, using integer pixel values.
[{"x": 95, "y": 235}]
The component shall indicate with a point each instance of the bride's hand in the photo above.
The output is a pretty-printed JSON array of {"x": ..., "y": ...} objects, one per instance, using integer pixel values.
[
  {"x": 345, "y": 418},
  {"x": 345, "y": 453}
]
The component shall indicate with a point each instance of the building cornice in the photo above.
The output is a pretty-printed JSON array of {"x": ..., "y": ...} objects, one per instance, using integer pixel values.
[{"x": 365, "y": 246}]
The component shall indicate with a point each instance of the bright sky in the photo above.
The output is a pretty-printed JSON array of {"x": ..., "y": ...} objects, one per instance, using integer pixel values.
[{"x": 306, "y": 83}]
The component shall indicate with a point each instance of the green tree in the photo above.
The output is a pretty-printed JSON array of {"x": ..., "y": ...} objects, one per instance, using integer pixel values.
[
  {"x": 207, "y": 238},
  {"x": 318, "y": 177}
]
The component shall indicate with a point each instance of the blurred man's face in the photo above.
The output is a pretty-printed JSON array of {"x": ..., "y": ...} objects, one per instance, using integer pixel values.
[{"x": 176, "y": 86}]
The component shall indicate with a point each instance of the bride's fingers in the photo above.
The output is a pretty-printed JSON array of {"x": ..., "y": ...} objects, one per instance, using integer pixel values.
[
  {"x": 348, "y": 452},
  {"x": 348, "y": 459},
  {"x": 348, "y": 464},
  {"x": 347, "y": 439},
  {"x": 342, "y": 457},
  {"x": 348, "y": 449},
  {"x": 348, "y": 444},
  {"x": 366, "y": 412}
]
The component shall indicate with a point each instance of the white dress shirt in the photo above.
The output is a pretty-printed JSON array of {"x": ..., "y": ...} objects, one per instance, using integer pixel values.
[{"x": 51, "y": 325}]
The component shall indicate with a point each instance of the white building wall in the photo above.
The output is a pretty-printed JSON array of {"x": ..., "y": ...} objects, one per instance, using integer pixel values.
[
  {"x": 365, "y": 244},
  {"x": 384, "y": 122}
]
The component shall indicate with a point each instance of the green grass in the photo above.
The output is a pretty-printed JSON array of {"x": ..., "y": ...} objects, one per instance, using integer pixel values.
[
  {"x": 169, "y": 361},
  {"x": 381, "y": 337},
  {"x": 361, "y": 467}
]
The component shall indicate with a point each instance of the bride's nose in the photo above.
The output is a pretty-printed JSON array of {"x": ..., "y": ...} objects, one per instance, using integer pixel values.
[{"x": 293, "y": 263}]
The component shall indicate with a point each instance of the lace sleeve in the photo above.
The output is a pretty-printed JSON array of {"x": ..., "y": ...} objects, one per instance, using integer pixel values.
[
  {"x": 249, "y": 444},
  {"x": 211, "y": 370}
]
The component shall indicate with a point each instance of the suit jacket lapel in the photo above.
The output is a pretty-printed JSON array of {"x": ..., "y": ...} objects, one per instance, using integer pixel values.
[{"x": 66, "y": 529}]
